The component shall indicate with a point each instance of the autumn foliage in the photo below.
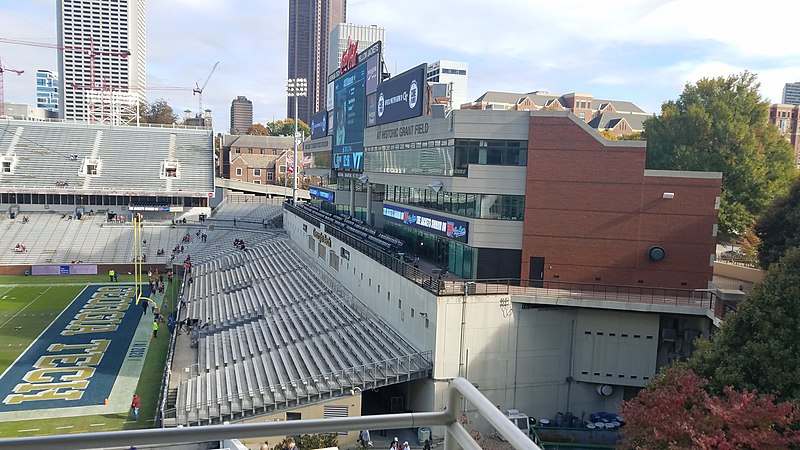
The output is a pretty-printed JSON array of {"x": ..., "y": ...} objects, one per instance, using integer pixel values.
[{"x": 677, "y": 412}]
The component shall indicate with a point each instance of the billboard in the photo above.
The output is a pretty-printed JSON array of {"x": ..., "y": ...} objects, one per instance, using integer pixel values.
[
  {"x": 322, "y": 194},
  {"x": 348, "y": 119},
  {"x": 432, "y": 223},
  {"x": 373, "y": 73},
  {"x": 319, "y": 125},
  {"x": 401, "y": 97}
]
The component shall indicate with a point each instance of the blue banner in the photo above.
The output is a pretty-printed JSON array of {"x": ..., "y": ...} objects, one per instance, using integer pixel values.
[{"x": 401, "y": 97}]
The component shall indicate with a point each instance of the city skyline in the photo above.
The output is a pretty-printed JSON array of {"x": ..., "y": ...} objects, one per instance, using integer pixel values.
[{"x": 642, "y": 51}]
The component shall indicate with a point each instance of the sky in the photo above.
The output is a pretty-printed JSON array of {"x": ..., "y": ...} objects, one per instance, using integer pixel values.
[{"x": 643, "y": 51}]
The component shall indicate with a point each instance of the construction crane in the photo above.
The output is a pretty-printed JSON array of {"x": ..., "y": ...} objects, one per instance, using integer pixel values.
[
  {"x": 199, "y": 90},
  {"x": 2, "y": 97}
]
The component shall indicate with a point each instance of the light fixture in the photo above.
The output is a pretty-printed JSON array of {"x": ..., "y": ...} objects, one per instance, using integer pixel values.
[
  {"x": 436, "y": 186},
  {"x": 668, "y": 195}
]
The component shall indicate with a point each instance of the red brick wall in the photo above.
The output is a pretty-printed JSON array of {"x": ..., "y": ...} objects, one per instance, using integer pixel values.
[{"x": 593, "y": 215}]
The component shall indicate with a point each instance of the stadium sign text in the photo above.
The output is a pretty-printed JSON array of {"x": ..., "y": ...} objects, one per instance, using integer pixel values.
[{"x": 323, "y": 238}]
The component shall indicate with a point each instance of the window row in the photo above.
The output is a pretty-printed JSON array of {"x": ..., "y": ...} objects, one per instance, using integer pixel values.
[{"x": 479, "y": 206}]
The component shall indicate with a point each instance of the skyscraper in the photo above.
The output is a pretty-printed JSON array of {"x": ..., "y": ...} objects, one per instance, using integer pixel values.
[
  {"x": 241, "y": 115},
  {"x": 343, "y": 33},
  {"x": 102, "y": 66},
  {"x": 791, "y": 93},
  {"x": 310, "y": 24},
  {"x": 453, "y": 73},
  {"x": 46, "y": 90}
]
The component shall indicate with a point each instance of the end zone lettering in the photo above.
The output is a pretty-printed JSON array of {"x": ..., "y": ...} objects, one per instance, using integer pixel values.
[
  {"x": 102, "y": 312},
  {"x": 60, "y": 376}
]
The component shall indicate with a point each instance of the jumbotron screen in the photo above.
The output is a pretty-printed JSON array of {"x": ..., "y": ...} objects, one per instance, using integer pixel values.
[{"x": 348, "y": 120}]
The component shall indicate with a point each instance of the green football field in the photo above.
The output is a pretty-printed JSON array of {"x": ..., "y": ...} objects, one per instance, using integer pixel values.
[{"x": 27, "y": 306}]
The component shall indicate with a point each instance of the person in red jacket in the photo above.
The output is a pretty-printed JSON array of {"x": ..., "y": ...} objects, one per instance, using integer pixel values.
[{"x": 135, "y": 406}]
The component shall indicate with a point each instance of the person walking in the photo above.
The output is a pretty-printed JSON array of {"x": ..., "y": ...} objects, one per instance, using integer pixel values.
[
  {"x": 155, "y": 328},
  {"x": 135, "y": 406},
  {"x": 111, "y": 274}
]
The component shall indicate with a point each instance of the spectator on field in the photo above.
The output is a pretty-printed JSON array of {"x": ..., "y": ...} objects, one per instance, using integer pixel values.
[
  {"x": 111, "y": 274},
  {"x": 135, "y": 403},
  {"x": 155, "y": 328},
  {"x": 144, "y": 307}
]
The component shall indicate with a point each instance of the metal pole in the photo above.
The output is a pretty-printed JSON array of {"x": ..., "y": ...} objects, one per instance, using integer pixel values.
[{"x": 294, "y": 171}]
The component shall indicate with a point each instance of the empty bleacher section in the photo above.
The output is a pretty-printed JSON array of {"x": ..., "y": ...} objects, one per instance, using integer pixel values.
[
  {"x": 41, "y": 158},
  {"x": 277, "y": 332},
  {"x": 355, "y": 228},
  {"x": 249, "y": 213}
]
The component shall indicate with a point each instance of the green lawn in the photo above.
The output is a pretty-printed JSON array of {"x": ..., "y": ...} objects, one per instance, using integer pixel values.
[{"x": 32, "y": 303}]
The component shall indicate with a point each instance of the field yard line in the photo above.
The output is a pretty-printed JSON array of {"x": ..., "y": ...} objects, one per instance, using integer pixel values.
[
  {"x": 23, "y": 308},
  {"x": 40, "y": 334}
]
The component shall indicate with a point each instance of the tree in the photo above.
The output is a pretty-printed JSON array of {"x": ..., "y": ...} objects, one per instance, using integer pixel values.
[
  {"x": 722, "y": 125},
  {"x": 286, "y": 128},
  {"x": 676, "y": 411},
  {"x": 257, "y": 129},
  {"x": 310, "y": 441},
  {"x": 758, "y": 346},
  {"x": 157, "y": 112},
  {"x": 779, "y": 228}
]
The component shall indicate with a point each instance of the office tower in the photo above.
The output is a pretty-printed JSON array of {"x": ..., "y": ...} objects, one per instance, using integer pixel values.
[
  {"x": 46, "y": 90},
  {"x": 791, "y": 93},
  {"x": 102, "y": 64},
  {"x": 344, "y": 33},
  {"x": 241, "y": 115},
  {"x": 310, "y": 25},
  {"x": 453, "y": 73}
]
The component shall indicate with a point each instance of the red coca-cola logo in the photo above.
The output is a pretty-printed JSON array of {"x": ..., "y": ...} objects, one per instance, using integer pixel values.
[{"x": 349, "y": 57}]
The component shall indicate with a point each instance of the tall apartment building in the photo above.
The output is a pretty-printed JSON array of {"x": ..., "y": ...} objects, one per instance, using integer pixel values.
[
  {"x": 344, "y": 33},
  {"x": 46, "y": 90},
  {"x": 310, "y": 25},
  {"x": 241, "y": 115},
  {"x": 785, "y": 117},
  {"x": 102, "y": 67},
  {"x": 453, "y": 73},
  {"x": 791, "y": 93}
]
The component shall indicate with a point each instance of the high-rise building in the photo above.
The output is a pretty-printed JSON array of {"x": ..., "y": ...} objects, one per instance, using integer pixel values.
[
  {"x": 791, "y": 93},
  {"x": 310, "y": 25},
  {"x": 453, "y": 73},
  {"x": 46, "y": 90},
  {"x": 787, "y": 118},
  {"x": 102, "y": 66},
  {"x": 344, "y": 33},
  {"x": 241, "y": 115}
]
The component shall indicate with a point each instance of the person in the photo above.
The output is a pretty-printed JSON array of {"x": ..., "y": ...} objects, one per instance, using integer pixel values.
[
  {"x": 135, "y": 406},
  {"x": 115, "y": 275},
  {"x": 340, "y": 123},
  {"x": 405, "y": 446},
  {"x": 144, "y": 307},
  {"x": 155, "y": 328},
  {"x": 265, "y": 446},
  {"x": 427, "y": 445},
  {"x": 111, "y": 274},
  {"x": 290, "y": 445},
  {"x": 234, "y": 221},
  {"x": 395, "y": 444},
  {"x": 364, "y": 439}
]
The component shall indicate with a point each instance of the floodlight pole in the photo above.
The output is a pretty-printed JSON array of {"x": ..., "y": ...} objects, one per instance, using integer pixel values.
[{"x": 296, "y": 87}]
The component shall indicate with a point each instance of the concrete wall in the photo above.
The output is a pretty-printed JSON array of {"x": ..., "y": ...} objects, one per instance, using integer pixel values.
[
  {"x": 353, "y": 404},
  {"x": 737, "y": 272}
]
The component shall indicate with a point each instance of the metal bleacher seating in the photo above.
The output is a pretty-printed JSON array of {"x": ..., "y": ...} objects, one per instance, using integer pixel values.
[{"x": 276, "y": 333}]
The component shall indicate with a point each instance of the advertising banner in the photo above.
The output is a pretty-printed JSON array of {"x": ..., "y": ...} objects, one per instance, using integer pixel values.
[
  {"x": 432, "y": 223},
  {"x": 321, "y": 194},
  {"x": 401, "y": 97}
]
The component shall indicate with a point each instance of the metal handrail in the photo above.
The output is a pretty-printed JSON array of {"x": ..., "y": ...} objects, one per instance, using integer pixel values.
[{"x": 456, "y": 435}]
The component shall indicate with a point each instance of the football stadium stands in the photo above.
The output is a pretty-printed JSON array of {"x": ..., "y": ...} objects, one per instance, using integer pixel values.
[{"x": 274, "y": 332}]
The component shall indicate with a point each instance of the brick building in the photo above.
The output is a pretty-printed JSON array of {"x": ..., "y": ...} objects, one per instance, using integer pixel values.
[
  {"x": 618, "y": 117},
  {"x": 235, "y": 145},
  {"x": 785, "y": 117}
]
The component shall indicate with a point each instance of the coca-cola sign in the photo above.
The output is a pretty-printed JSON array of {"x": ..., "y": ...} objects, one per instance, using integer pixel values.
[{"x": 350, "y": 56}]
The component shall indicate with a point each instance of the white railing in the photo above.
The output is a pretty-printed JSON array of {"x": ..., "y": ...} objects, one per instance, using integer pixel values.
[{"x": 456, "y": 435}]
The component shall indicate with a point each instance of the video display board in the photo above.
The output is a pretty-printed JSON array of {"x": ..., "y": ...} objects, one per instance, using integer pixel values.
[
  {"x": 348, "y": 119},
  {"x": 401, "y": 97},
  {"x": 432, "y": 223},
  {"x": 319, "y": 125}
]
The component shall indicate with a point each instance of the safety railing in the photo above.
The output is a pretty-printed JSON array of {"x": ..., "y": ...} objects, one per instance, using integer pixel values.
[{"x": 456, "y": 436}]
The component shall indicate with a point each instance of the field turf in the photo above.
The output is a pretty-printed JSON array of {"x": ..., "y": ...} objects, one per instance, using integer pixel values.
[{"x": 27, "y": 306}]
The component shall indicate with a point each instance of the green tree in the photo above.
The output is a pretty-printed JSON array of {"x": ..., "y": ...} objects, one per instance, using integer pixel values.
[
  {"x": 311, "y": 441},
  {"x": 758, "y": 346},
  {"x": 257, "y": 129},
  {"x": 158, "y": 111},
  {"x": 676, "y": 411},
  {"x": 779, "y": 228},
  {"x": 722, "y": 125},
  {"x": 286, "y": 128}
]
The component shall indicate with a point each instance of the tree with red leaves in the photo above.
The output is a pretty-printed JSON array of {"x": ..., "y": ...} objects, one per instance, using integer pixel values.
[{"x": 676, "y": 411}]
